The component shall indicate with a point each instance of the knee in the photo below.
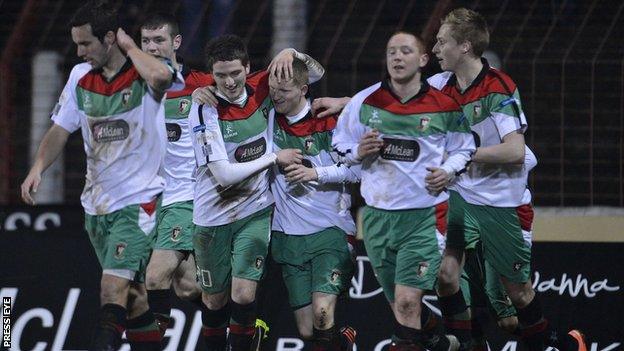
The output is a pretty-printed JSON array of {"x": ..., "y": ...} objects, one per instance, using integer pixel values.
[
  {"x": 214, "y": 302},
  {"x": 407, "y": 307},
  {"x": 521, "y": 296},
  {"x": 323, "y": 316},
  {"x": 187, "y": 292},
  {"x": 448, "y": 276},
  {"x": 157, "y": 278},
  {"x": 114, "y": 290},
  {"x": 243, "y": 296},
  {"x": 508, "y": 324}
]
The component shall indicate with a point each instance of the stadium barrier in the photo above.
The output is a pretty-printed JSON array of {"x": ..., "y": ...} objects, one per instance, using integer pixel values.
[{"x": 50, "y": 274}]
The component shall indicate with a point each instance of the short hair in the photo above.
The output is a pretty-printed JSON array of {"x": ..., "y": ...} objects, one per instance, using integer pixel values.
[
  {"x": 227, "y": 47},
  {"x": 100, "y": 14},
  {"x": 419, "y": 41},
  {"x": 469, "y": 25},
  {"x": 158, "y": 20},
  {"x": 300, "y": 72}
]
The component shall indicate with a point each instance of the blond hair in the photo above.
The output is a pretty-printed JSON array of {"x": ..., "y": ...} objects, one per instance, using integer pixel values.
[{"x": 468, "y": 25}]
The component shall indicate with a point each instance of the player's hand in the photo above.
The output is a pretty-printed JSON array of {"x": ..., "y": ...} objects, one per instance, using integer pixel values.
[
  {"x": 288, "y": 157},
  {"x": 436, "y": 180},
  {"x": 298, "y": 173},
  {"x": 30, "y": 186},
  {"x": 281, "y": 65},
  {"x": 370, "y": 144},
  {"x": 125, "y": 41},
  {"x": 205, "y": 96},
  {"x": 327, "y": 106}
]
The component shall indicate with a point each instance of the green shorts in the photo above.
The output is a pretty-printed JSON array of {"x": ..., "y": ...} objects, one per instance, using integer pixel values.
[
  {"x": 175, "y": 227},
  {"x": 236, "y": 249},
  {"x": 482, "y": 287},
  {"x": 318, "y": 262},
  {"x": 402, "y": 246},
  {"x": 505, "y": 233},
  {"x": 122, "y": 239}
]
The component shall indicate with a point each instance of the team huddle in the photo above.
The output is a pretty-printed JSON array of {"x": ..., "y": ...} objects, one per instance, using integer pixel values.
[{"x": 195, "y": 178}]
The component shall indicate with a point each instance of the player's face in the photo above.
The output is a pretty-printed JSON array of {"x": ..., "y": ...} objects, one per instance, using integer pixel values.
[
  {"x": 89, "y": 47},
  {"x": 159, "y": 42},
  {"x": 230, "y": 77},
  {"x": 404, "y": 58},
  {"x": 447, "y": 50},
  {"x": 286, "y": 95}
]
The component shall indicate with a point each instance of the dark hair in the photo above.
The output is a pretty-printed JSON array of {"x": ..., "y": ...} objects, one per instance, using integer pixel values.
[
  {"x": 157, "y": 20},
  {"x": 100, "y": 15},
  {"x": 227, "y": 47}
]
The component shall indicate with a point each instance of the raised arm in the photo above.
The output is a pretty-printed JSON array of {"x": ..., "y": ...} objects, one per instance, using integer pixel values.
[
  {"x": 282, "y": 64},
  {"x": 157, "y": 74}
]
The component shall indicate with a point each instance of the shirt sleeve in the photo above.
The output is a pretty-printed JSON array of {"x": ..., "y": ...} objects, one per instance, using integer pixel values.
[
  {"x": 65, "y": 112},
  {"x": 460, "y": 144},
  {"x": 506, "y": 111},
  {"x": 348, "y": 132},
  {"x": 207, "y": 140},
  {"x": 339, "y": 173}
]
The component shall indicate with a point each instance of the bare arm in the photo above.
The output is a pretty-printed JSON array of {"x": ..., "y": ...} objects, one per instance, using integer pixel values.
[
  {"x": 510, "y": 151},
  {"x": 157, "y": 75},
  {"x": 50, "y": 148}
]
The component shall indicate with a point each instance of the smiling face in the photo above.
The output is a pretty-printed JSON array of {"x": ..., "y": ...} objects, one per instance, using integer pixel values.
[
  {"x": 230, "y": 77},
  {"x": 287, "y": 96},
  {"x": 447, "y": 50},
  {"x": 89, "y": 47},
  {"x": 159, "y": 42},
  {"x": 404, "y": 58}
]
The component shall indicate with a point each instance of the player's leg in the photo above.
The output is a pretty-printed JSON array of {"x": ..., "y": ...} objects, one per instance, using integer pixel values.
[
  {"x": 122, "y": 242},
  {"x": 290, "y": 253},
  {"x": 185, "y": 281},
  {"x": 332, "y": 269},
  {"x": 507, "y": 247},
  {"x": 213, "y": 259},
  {"x": 462, "y": 233},
  {"x": 172, "y": 244},
  {"x": 142, "y": 328},
  {"x": 250, "y": 247}
]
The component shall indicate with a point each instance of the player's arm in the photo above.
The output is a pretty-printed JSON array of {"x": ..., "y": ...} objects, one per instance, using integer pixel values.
[
  {"x": 282, "y": 65},
  {"x": 156, "y": 73},
  {"x": 327, "y": 106},
  {"x": 459, "y": 147},
  {"x": 351, "y": 140},
  {"x": 510, "y": 151},
  {"x": 210, "y": 150},
  {"x": 336, "y": 173},
  {"x": 49, "y": 149}
]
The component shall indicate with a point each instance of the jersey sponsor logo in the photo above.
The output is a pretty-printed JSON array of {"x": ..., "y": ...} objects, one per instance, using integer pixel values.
[
  {"x": 250, "y": 151},
  {"x": 400, "y": 150},
  {"x": 184, "y": 106},
  {"x": 173, "y": 131},
  {"x": 107, "y": 131}
]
